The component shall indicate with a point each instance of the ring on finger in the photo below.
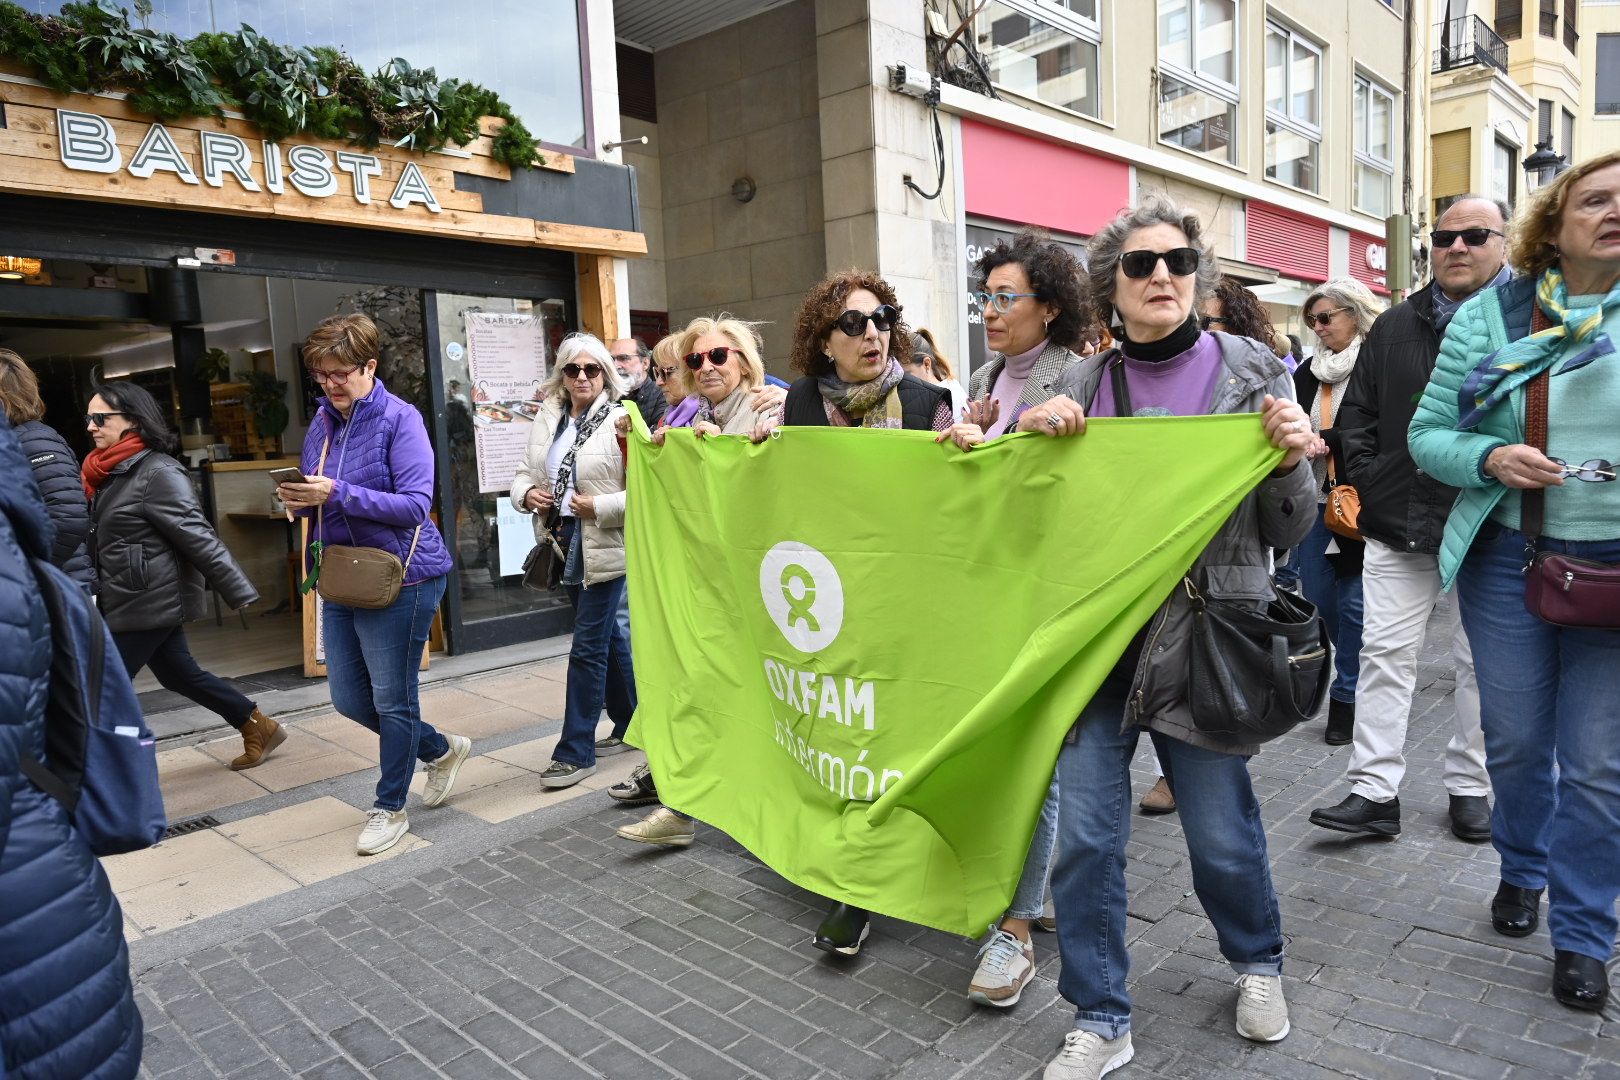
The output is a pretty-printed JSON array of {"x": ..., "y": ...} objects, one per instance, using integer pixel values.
[{"x": 1053, "y": 421}]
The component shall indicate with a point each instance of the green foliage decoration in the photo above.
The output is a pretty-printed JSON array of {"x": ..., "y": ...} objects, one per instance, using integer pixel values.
[{"x": 92, "y": 46}]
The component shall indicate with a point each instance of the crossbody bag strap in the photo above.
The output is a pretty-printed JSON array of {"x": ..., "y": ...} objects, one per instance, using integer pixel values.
[
  {"x": 565, "y": 468},
  {"x": 320, "y": 467},
  {"x": 1533, "y": 502},
  {"x": 1122, "y": 388},
  {"x": 1327, "y": 422}
]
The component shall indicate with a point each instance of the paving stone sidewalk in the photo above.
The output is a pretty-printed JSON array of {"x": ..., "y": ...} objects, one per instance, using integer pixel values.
[{"x": 546, "y": 948}]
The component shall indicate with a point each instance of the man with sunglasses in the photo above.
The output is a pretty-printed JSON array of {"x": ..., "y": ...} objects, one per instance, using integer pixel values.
[
  {"x": 633, "y": 360},
  {"x": 1403, "y": 514}
]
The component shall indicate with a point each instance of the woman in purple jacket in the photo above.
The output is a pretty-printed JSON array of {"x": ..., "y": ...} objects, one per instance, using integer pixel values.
[{"x": 370, "y": 484}]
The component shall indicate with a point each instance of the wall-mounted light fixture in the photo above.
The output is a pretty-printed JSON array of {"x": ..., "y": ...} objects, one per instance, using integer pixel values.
[
  {"x": 743, "y": 189},
  {"x": 17, "y": 267}
]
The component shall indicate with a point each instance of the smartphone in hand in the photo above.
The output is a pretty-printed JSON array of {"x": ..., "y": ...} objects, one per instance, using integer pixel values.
[{"x": 288, "y": 476}]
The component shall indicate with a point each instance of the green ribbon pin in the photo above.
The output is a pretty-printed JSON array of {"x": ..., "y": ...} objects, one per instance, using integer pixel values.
[
  {"x": 799, "y": 608},
  {"x": 314, "y": 569}
]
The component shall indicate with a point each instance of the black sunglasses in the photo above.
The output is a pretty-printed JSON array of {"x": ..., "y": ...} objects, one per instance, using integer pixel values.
[
  {"x": 1206, "y": 321},
  {"x": 592, "y": 371},
  {"x": 716, "y": 356},
  {"x": 99, "y": 419},
  {"x": 853, "y": 323},
  {"x": 1179, "y": 261},
  {"x": 1322, "y": 318},
  {"x": 662, "y": 373},
  {"x": 1444, "y": 238}
]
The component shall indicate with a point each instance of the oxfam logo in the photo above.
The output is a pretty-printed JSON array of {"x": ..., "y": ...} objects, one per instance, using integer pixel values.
[{"x": 803, "y": 595}]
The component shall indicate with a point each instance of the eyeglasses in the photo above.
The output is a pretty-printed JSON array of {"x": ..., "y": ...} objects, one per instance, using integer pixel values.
[
  {"x": 716, "y": 356},
  {"x": 335, "y": 378},
  {"x": 1206, "y": 321},
  {"x": 99, "y": 419},
  {"x": 1322, "y": 318},
  {"x": 853, "y": 323},
  {"x": 1002, "y": 301},
  {"x": 660, "y": 374},
  {"x": 625, "y": 357},
  {"x": 591, "y": 371},
  {"x": 1179, "y": 261},
  {"x": 1593, "y": 472},
  {"x": 1444, "y": 238}
]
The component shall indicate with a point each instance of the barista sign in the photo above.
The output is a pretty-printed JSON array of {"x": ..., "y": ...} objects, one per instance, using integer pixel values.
[{"x": 87, "y": 142}]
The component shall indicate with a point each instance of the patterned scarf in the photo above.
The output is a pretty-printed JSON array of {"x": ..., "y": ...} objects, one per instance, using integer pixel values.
[
  {"x": 865, "y": 400},
  {"x": 1517, "y": 362},
  {"x": 1445, "y": 307},
  {"x": 99, "y": 464}
]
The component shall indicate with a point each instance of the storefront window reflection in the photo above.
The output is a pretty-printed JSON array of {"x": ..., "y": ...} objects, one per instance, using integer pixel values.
[{"x": 525, "y": 50}]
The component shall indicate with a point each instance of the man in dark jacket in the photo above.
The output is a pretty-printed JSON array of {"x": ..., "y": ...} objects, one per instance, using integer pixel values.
[
  {"x": 1403, "y": 513},
  {"x": 634, "y": 360},
  {"x": 66, "y": 1005}
]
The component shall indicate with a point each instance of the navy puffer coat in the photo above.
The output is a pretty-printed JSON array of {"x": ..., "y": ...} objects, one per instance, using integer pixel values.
[
  {"x": 57, "y": 472},
  {"x": 66, "y": 1006}
]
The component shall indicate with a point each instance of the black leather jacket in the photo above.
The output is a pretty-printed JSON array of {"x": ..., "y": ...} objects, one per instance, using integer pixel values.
[{"x": 154, "y": 549}]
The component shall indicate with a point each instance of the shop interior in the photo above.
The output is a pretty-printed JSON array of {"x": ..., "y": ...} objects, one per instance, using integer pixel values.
[{"x": 223, "y": 350}]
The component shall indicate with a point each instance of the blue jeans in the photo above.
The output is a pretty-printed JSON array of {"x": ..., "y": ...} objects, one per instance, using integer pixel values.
[
  {"x": 1549, "y": 705},
  {"x": 1226, "y": 843},
  {"x": 373, "y": 662},
  {"x": 599, "y": 671},
  {"x": 1339, "y": 600},
  {"x": 1030, "y": 898}
]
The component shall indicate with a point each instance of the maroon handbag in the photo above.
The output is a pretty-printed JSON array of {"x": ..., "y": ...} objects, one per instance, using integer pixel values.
[{"x": 1561, "y": 589}]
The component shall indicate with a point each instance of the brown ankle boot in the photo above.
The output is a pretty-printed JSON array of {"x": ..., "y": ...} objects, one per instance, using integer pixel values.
[{"x": 260, "y": 735}]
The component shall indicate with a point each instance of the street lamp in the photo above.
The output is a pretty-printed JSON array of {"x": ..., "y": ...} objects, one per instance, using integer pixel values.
[{"x": 1543, "y": 165}]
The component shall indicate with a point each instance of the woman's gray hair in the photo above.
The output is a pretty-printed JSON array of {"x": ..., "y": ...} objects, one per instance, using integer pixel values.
[
  {"x": 1347, "y": 293},
  {"x": 1105, "y": 248},
  {"x": 575, "y": 347}
]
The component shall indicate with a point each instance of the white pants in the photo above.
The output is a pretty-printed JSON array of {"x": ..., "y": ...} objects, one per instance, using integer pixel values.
[{"x": 1398, "y": 593}]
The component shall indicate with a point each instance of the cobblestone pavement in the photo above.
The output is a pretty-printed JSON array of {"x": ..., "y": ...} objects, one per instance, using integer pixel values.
[{"x": 542, "y": 947}]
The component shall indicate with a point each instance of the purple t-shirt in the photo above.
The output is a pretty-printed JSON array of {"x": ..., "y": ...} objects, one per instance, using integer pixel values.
[{"x": 1180, "y": 386}]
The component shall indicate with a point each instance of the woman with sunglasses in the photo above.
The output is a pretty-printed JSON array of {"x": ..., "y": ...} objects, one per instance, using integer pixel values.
[
  {"x": 369, "y": 483},
  {"x": 572, "y": 481},
  {"x": 722, "y": 369},
  {"x": 1328, "y": 566},
  {"x": 667, "y": 363},
  {"x": 1520, "y": 415},
  {"x": 1149, "y": 267},
  {"x": 154, "y": 552}
]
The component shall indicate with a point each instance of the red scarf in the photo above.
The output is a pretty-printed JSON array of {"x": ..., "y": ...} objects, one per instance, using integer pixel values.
[{"x": 99, "y": 464}]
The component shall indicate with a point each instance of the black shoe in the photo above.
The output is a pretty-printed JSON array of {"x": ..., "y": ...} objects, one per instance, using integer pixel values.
[
  {"x": 638, "y": 790},
  {"x": 1580, "y": 981},
  {"x": 1341, "y": 725},
  {"x": 1515, "y": 912},
  {"x": 1471, "y": 818},
  {"x": 843, "y": 930},
  {"x": 1359, "y": 815}
]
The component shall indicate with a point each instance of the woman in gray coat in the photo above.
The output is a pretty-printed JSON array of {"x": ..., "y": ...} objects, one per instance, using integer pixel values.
[{"x": 1150, "y": 267}]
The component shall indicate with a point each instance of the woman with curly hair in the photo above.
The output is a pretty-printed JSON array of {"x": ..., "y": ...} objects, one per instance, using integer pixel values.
[
  {"x": 1035, "y": 318},
  {"x": 851, "y": 347},
  {"x": 1233, "y": 309}
]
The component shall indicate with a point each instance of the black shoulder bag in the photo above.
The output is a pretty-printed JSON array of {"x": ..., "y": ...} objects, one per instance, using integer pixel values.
[
  {"x": 543, "y": 568},
  {"x": 1254, "y": 673}
]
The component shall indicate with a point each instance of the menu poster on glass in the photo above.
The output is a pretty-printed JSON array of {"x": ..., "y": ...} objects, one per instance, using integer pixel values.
[{"x": 506, "y": 363}]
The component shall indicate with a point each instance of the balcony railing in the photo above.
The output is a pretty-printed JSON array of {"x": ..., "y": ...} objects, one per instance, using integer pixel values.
[{"x": 1469, "y": 40}]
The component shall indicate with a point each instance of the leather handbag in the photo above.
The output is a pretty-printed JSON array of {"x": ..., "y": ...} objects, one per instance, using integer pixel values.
[
  {"x": 1343, "y": 507},
  {"x": 1561, "y": 589},
  {"x": 1255, "y": 673},
  {"x": 543, "y": 566},
  {"x": 361, "y": 577}
]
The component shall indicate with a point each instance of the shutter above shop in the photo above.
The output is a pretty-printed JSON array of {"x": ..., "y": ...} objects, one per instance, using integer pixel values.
[
  {"x": 1451, "y": 163},
  {"x": 1290, "y": 243}
]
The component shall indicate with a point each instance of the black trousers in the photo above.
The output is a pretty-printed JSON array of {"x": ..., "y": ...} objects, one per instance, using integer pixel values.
[{"x": 165, "y": 651}]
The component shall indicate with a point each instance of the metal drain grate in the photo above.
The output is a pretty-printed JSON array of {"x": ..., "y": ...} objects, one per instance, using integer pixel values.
[{"x": 190, "y": 825}]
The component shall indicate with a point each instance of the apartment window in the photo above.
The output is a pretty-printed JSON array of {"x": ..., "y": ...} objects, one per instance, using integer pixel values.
[
  {"x": 1504, "y": 172},
  {"x": 1509, "y": 19},
  {"x": 1544, "y": 121},
  {"x": 1198, "y": 66},
  {"x": 1044, "y": 49},
  {"x": 1375, "y": 141},
  {"x": 1608, "y": 75},
  {"x": 1566, "y": 145},
  {"x": 1293, "y": 108},
  {"x": 1572, "y": 37},
  {"x": 1549, "y": 18}
]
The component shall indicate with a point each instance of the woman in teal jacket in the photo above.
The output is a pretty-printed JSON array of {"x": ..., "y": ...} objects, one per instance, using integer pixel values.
[{"x": 1547, "y": 692}]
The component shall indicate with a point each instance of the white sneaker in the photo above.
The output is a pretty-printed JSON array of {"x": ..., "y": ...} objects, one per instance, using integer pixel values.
[
  {"x": 441, "y": 774},
  {"x": 383, "y": 830},
  {"x": 1262, "y": 1014},
  {"x": 1087, "y": 1056},
  {"x": 1005, "y": 966}
]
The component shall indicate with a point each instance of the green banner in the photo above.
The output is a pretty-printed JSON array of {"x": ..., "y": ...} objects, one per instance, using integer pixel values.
[{"x": 857, "y": 652}]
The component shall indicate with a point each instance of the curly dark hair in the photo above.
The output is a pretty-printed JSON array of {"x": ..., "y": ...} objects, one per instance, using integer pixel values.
[
  {"x": 1055, "y": 277},
  {"x": 1244, "y": 315},
  {"x": 824, "y": 303}
]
